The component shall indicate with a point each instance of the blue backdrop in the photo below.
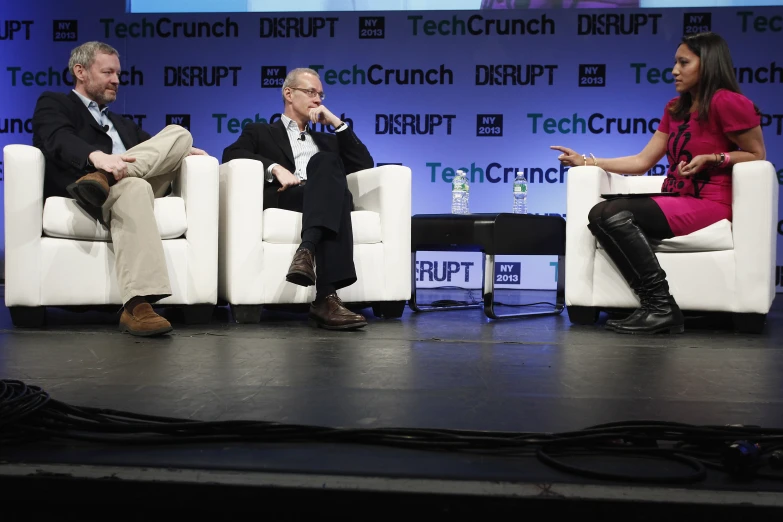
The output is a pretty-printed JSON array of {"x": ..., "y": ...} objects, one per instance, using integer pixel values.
[{"x": 487, "y": 91}]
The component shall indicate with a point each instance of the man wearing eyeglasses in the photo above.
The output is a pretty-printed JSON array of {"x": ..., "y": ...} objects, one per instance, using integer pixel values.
[{"x": 305, "y": 172}]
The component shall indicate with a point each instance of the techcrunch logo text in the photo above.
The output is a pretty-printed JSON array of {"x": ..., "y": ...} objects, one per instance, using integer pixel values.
[
  {"x": 496, "y": 173},
  {"x": 165, "y": 28},
  {"x": 377, "y": 74},
  {"x": 477, "y": 25},
  {"x": 596, "y": 123},
  {"x": 235, "y": 125},
  {"x": 772, "y": 73},
  {"x": 54, "y": 78},
  {"x": 16, "y": 126},
  {"x": 760, "y": 23}
]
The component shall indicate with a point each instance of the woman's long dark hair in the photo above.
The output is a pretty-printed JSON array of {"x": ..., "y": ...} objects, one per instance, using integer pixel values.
[{"x": 716, "y": 71}]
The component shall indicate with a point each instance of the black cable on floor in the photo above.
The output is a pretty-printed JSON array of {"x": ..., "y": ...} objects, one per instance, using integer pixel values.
[
  {"x": 28, "y": 414},
  {"x": 699, "y": 473}
]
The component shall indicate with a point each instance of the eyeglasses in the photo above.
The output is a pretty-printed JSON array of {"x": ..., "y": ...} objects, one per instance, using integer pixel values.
[{"x": 310, "y": 92}]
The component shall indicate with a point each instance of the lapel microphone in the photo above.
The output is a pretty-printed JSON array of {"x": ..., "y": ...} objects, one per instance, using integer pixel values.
[
  {"x": 302, "y": 136},
  {"x": 105, "y": 128}
]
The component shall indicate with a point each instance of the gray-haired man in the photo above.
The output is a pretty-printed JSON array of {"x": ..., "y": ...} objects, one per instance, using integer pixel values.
[
  {"x": 305, "y": 172},
  {"x": 114, "y": 170}
]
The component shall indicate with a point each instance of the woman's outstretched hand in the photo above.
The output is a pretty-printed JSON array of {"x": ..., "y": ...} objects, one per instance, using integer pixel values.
[{"x": 569, "y": 157}]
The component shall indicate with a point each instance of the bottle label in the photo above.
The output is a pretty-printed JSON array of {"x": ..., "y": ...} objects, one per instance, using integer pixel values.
[{"x": 520, "y": 188}]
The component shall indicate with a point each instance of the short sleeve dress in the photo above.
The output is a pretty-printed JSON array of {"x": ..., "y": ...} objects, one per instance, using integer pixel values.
[{"x": 705, "y": 198}]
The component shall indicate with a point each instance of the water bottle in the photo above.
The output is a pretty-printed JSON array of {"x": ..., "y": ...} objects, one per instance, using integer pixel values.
[
  {"x": 520, "y": 193},
  {"x": 460, "y": 193}
]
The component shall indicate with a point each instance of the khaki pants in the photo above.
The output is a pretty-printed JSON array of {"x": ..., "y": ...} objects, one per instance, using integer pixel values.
[{"x": 129, "y": 210}]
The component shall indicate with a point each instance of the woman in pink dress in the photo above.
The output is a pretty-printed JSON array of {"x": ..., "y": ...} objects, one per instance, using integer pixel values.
[{"x": 708, "y": 128}]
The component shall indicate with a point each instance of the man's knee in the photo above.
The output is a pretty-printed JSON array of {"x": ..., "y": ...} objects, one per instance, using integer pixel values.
[
  {"x": 179, "y": 130},
  {"x": 181, "y": 134},
  {"x": 328, "y": 162}
]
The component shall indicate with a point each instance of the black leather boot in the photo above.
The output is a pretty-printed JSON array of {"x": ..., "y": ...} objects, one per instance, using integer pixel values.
[
  {"x": 659, "y": 312},
  {"x": 622, "y": 264}
]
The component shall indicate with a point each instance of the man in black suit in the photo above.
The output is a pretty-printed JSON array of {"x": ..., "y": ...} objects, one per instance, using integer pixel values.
[
  {"x": 305, "y": 172},
  {"x": 114, "y": 170}
]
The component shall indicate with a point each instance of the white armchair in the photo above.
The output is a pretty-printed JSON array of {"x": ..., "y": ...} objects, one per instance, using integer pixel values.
[
  {"x": 256, "y": 245},
  {"x": 726, "y": 267},
  {"x": 57, "y": 255}
]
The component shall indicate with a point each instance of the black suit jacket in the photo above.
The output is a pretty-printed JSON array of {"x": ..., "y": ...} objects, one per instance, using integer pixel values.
[
  {"x": 268, "y": 143},
  {"x": 67, "y": 133}
]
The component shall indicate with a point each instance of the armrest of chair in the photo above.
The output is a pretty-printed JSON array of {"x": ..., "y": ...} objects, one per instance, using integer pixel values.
[
  {"x": 754, "y": 227},
  {"x": 24, "y": 178},
  {"x": 583, "y": 191},
  {"x": 197, "y": 185},
  {"x": 387, "y": 190},
  {"x": 584, "y": 187},
  {"x": 241, "y": 225}
]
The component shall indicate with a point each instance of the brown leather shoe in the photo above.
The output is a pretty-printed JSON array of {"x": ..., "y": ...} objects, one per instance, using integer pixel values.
[
  {"x": 144, "y": 322},
  {"x": 302, "y": 269},
  {"x": 333, "y": 315},
  {"x": 90, "y": 190}
]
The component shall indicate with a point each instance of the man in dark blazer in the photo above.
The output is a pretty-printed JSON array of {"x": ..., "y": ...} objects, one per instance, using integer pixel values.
[
  {"x": 114, "y": 170},
  {"x": 305, "y": 172}
]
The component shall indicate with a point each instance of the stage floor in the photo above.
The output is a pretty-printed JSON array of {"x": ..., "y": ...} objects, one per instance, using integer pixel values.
[{"x": 445, "y": 369}]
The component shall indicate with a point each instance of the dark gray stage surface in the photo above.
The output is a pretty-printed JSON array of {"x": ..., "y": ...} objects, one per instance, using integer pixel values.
[{"x": 456, "y": 370}]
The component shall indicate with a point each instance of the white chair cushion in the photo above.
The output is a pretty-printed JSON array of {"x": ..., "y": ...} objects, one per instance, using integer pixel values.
[
  {"x": 285, "y": 226},
  {"x": 713, "y": 238},
  {"x": 63, "y": 218}
]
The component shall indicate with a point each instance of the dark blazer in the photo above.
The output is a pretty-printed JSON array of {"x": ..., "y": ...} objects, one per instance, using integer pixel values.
[
  {"x": 67, "y": 133},
  {"x": 268, "y": 143}
]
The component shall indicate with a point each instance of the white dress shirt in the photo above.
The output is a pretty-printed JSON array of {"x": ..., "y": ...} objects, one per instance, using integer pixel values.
[
  {"x": 303, "y": 149},
  {"x": 117, "y": 147}
]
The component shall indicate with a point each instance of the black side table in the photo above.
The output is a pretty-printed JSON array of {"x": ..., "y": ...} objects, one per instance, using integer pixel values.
[{"x": 492, "y": 234}]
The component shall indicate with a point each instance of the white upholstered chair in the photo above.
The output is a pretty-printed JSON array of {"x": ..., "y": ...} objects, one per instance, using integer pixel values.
[
  {"x": 256, "y": 245},
  {"x": 726, "y": 267},
  {"x": 57, "y": 255}
]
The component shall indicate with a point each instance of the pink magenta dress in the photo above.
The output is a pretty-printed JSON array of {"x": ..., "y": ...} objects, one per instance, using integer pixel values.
[{"x": 705, "y": 198}]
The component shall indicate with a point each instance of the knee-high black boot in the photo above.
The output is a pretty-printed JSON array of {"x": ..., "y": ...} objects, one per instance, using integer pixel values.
[
  {"x": 622, "y": 263},
  {"x": 659, "y": 312}
]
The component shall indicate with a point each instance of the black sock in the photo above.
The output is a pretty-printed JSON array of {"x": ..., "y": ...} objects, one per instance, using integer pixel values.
[
  {"x": 133, "y": 302},
  {"x": 310, "y": 238},
  {"x": 321, "y": 291}
]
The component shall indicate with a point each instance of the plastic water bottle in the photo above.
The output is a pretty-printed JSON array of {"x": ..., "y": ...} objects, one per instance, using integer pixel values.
[
  {"x": 520, "y": 193},
  {"x": 460, "y": 194}
]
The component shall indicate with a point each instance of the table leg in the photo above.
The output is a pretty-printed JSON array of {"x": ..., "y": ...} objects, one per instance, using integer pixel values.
[
  {"x": 489, "y": 291},
  {"x": 428, "y": 308}
]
